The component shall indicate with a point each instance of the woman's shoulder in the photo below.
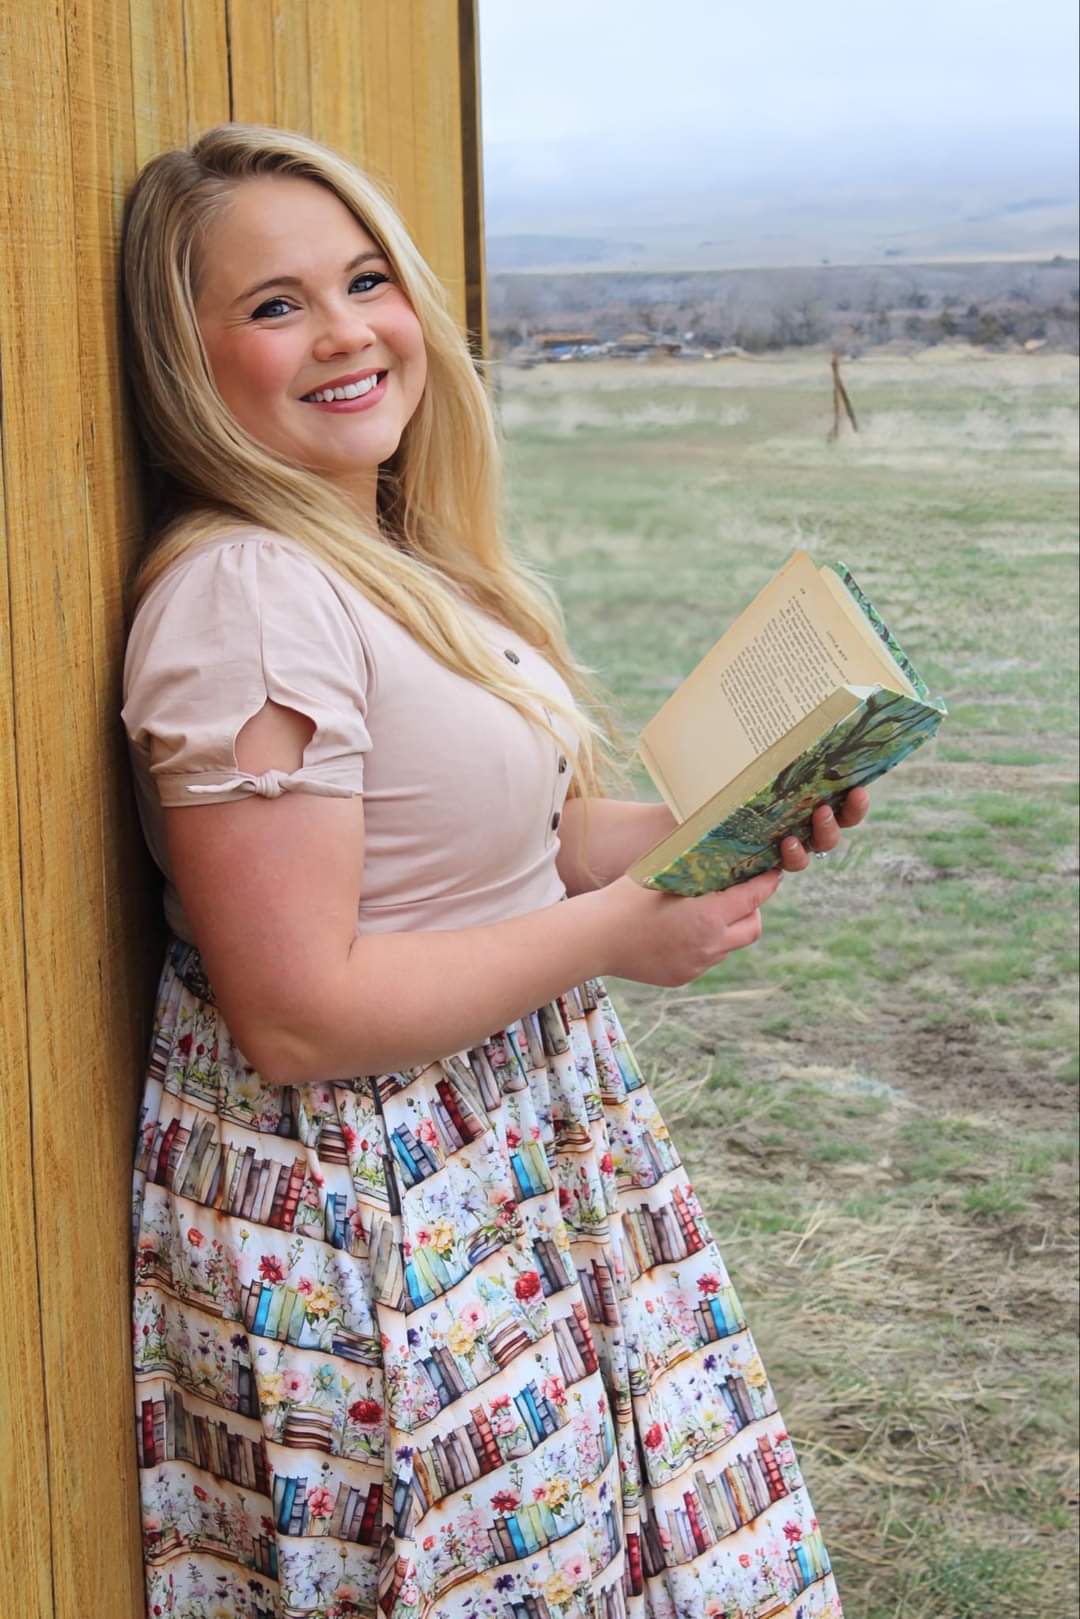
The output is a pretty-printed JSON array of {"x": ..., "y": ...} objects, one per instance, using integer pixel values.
[
  {"x": 247, "y": 590},
  {"x": 217, "y": 559},
  {"x": 245, "y": 571}
]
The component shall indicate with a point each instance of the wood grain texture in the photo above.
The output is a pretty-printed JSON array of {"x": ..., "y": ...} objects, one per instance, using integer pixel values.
[
  {"x": 251, "y": 59},
  {"x": 412, "y": 142},
  {"x": 89, "y": 91},
  {"x": 103, "y": 159},
  {"x": 336, "y": 68},
  {"x": 75, "y": 1193},
  {"x": 437, "y": 144},
  {"x": 206, "y": 65},
  {"x": 25, "y": 1554},
  {"x": 159, "y": 84},
  {"x": 292, "y": 64}
]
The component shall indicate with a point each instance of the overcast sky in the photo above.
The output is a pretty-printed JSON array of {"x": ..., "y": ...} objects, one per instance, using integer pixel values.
[{"x": 618, "y": 90}]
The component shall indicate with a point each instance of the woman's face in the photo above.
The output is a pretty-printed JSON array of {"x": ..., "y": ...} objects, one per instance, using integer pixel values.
[{"x": 295, "y": 298}]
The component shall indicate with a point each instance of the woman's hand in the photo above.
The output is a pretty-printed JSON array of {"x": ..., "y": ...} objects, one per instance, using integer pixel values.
[
  {"x": 663, "y": 939},
  {"x": 826, "y": 830}
]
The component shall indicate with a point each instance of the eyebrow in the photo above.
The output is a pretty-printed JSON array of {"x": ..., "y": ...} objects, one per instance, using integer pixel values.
[{"x": 295, "y": 281}]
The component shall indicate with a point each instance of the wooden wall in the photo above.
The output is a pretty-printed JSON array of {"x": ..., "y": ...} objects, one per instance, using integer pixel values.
[{"x": 90, "y": 89}]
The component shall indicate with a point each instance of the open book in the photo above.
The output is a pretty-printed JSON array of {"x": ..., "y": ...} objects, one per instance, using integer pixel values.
[{"x": 806, "y": 696}]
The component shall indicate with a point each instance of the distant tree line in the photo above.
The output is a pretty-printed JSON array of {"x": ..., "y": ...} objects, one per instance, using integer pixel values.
[{"x": 992, "y": 305}]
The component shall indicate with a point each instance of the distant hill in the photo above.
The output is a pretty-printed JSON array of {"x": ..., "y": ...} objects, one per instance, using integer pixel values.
[
  {"x": 842, "y": 208},
  {"x": 862, "y": 232},
  {"x": 528, "y": 252}
]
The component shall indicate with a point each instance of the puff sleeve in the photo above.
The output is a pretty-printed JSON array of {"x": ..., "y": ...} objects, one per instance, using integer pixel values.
[{"x": 223, "y": 630}]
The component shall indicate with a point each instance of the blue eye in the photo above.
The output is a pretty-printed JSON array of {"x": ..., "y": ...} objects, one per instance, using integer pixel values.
[
  {"x": 373, "y": 277},
  {"x": 262, "y": 312}
]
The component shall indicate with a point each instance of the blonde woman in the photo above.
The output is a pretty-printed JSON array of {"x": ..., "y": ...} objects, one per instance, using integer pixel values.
[{"x": 427, "y": 1320}]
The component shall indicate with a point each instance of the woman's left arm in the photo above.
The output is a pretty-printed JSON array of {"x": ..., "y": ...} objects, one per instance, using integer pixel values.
[{"x": 621, "y": 830}]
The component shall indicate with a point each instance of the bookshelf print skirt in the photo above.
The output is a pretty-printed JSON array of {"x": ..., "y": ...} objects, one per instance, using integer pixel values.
[{"x": 453, "y": 1343}]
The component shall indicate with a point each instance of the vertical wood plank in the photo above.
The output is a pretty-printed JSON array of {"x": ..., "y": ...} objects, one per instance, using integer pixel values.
[
  {"x": 158, "y": 77},
  {"x": 436, "y": 158},
  {"x": 59, "y": 762},
  {"x": 422, "y": 24},
  {"x": 207, "y": 65},
  {"x": 412, "y": 133},
  {"x": 336, "y": 66},
  {"x": 25, "y": 1536},
  {"x": 251, "y": 53},
  {"x": 292, "y": 65},
  {"x": 103, "y": 160},
  {"x": 386, "y": 103}
]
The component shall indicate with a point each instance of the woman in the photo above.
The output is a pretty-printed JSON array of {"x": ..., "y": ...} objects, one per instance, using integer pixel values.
[{"x": 451, "y": 1338}]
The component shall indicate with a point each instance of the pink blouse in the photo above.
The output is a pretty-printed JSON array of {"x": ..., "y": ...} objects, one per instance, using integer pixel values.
[{"x": 462, "y": 796}]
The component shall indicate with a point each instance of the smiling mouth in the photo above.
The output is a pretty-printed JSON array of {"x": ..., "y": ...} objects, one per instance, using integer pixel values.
[{"x": 349, "y": 390}]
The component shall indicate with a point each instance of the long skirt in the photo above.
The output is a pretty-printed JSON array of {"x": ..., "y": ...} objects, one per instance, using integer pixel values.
[{"x": 450, "y": 1342}]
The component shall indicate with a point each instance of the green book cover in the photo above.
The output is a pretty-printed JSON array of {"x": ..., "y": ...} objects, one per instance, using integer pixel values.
[{"x": 848, "y": 735}]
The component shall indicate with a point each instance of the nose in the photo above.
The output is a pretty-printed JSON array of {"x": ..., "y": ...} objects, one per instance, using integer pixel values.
[{"x": 343, "y": 329}]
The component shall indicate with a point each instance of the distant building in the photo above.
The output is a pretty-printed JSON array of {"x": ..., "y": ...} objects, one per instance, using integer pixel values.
[
  {"x": 566, "y": 345},
  {"x": 642, "y": 346}
]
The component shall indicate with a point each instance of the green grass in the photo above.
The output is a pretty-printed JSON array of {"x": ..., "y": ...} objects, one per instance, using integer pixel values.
[{"x": 894, "y": 1104}]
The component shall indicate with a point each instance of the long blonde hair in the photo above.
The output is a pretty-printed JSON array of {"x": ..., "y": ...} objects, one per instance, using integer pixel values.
[{"x": 439, "y": 536}]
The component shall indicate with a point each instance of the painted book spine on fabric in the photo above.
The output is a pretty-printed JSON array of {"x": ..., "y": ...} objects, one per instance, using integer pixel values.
[{"x": 883, "y": 730}]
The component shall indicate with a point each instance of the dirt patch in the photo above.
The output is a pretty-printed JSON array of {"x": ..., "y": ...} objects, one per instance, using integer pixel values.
[
  {"x": 959, "y": 1065},
  {"x": 973, "y": 775}
]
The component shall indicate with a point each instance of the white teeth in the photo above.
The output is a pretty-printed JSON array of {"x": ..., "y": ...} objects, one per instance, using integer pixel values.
[{"x": 351, "y": 390}]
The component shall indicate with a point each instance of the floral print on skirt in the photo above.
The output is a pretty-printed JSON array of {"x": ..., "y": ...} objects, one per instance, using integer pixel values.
[{"x": 451, "y": 1343}]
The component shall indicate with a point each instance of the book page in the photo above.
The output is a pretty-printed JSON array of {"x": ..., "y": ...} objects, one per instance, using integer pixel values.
[
  {"x": 788, "y": 651},
  {"x": 780, "y": 673}
]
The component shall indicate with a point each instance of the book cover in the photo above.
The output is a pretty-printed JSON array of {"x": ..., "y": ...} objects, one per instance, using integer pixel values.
[
  {"x": 365, "y": 1534},
  {"x": 573, "y": 1367},
  {"x": 159, "y": 1155},
  {"x": 517, "y": 1538},
  {"x": 807, "y": 696},
  {"x": 879, "y": 730},
  {"x": 466, "y": 1456},
  {"x": 438, "y": 1380},
  {"x": 258, "y": 1326},
  {"x": 348, "y": 1498},
  {"x": 285, "y": 1501},
  {"x": 451, "y": 1136},
  {"x": 239, "y": 1190},
  {"x": 486, "y": 1084}
]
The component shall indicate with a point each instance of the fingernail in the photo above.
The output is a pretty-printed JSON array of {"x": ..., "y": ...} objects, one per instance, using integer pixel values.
[{"x": 827, "y": 814}]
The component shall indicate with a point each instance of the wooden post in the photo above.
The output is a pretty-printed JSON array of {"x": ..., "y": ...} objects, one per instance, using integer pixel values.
[{"x": 840, "y": 397}]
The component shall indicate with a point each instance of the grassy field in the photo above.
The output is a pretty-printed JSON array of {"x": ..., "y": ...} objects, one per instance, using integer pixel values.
[{"x": 877, "y": 1103}]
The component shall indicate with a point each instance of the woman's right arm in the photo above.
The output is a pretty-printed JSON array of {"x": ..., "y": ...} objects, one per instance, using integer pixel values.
[{"x": 271, "y": 888}]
